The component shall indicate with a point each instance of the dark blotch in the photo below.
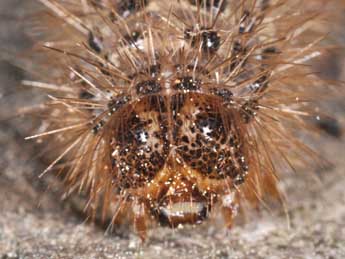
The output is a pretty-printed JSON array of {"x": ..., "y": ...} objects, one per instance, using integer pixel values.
[
  {"x": 243, "y": 21},
  {"x": 187, "y": 84},
  {"x": 97, "y": 127},
  {"x": 222, "y": 92},
  {"x": 330, "y": 126},
  {"x": 133, "y": 37},
  {"x": 154, "y": 70},
  {"x": 210, "y": 40},
  {"x": 249, "y": 110},
  {"x": 118, "y": 103},
  {"x": 270, "y": 50},
  {"x": 148, "y": 87},
  {"x": 131, "y": 6},
  {"x": 85, "y": 95},
  {"x": 260, "y": 84},
  {"x": 94, "y": 43}
]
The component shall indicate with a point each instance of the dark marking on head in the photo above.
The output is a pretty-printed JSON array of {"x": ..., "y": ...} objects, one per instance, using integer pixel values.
[
  {"x": 139, "y": 146},
  {"x": 206, "y": 145}
]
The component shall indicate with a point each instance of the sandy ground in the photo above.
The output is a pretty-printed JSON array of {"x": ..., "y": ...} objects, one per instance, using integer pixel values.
[{"x": 35, "y": 223}]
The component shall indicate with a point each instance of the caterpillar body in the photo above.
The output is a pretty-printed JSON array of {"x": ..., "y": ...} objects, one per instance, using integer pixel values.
[{"x": 168, "y": 111}]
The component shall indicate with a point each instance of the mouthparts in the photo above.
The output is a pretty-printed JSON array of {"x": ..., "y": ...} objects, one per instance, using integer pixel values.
[{"x": 182, "y": 204}]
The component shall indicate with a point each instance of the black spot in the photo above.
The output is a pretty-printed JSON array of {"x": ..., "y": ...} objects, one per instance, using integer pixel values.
[
  {"x": 94, "y": 43},
  {"x": 185, "y": 139},
  {"x": 237, "y": 48},
  {"x": 126, "y": 7},
  {"x": 187, "y": 84},
  {"x": 245, "y": 15},
  {"x": 85, "y": 95},
  {"x": 97, "y": 127},
  {"x": 260, "y": 84},
  {"x": 239, "y": 179},
  {"x": 187, "y": 35},
  {"x": 133, "y": 37},
  {"x": 222, "y": 92},
  {"x": 330, "y": 126},
  {"x": 148, "y": 87},
  {"x": 154, "y": 70},
  {"x": 141, "y": 136},
  {"x": 209, "y": 40},
  {"x": 249, "y": 110},
  {"x": 210, "y": 121},
  {"x": 118, "y": 102},
  {"x": 270, "y": 50},
  {"x": 244, "y": 18}
]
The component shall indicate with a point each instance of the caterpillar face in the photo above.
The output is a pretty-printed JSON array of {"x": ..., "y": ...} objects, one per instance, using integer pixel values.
[
  {"x": 173, "y": 148},
  {"x": 169, "y": 110}
]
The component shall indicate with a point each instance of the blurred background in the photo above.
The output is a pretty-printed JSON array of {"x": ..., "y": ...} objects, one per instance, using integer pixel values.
[{"x": 35, "y": 223}]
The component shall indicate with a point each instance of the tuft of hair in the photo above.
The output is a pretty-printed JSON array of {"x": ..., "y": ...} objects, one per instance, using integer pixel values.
[{"x": 169, "y": 111}]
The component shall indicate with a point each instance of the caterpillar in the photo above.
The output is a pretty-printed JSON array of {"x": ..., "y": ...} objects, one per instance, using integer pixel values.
[{"x": 166, "y": 112}]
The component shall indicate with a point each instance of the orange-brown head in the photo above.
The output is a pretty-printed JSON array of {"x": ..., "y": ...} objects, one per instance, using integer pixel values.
[{"x": 178, "y": 153}]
